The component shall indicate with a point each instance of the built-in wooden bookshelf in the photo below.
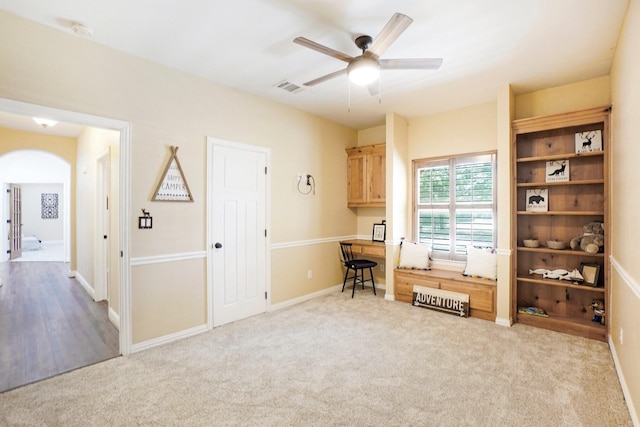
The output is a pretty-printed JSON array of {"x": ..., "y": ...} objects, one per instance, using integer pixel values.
[{"x": 569, "y": 204}]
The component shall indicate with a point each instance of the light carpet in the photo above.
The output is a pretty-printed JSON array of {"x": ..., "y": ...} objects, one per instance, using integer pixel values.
[{"x": 340, "y": 361}]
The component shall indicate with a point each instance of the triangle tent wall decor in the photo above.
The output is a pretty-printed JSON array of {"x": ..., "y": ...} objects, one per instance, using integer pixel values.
[{"x": 173, "y": 186}]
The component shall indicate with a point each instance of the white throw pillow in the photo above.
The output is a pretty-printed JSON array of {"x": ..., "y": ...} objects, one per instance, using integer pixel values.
[
  {"x": 481, "y": 262},
  {"x": 414, "y": 255}
]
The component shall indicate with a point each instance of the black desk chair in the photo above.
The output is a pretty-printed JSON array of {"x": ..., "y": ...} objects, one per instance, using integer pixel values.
[{"x": 357, "y": 265}]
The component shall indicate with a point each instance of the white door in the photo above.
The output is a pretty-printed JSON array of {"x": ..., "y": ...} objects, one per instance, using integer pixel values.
[
  {"x": 237, "y": 218},
  {"x": 101, "y": 259}
]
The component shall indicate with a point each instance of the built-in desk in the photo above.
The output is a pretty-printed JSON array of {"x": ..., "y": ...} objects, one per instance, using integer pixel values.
[{"x": 367, "y": 247}]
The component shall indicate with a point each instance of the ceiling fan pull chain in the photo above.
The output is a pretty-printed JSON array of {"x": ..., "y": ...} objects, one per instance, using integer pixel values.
[{"x": 349, "y": 91}]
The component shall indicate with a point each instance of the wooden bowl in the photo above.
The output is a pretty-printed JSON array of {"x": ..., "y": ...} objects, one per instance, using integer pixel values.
[{"x": 556, "y": 244}]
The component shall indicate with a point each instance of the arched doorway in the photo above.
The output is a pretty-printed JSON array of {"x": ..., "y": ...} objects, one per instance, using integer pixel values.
[{"x": 41, "y": 175}]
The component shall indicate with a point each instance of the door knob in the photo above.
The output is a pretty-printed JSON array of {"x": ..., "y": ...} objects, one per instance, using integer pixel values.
[{"x": 218, "y": 245}]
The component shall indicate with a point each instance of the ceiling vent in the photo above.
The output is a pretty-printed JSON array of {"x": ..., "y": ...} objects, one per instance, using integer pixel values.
[{"x": 288, "y": 86}]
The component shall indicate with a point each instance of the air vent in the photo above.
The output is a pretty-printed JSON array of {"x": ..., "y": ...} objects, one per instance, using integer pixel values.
[{"x": 288, "y": 86}]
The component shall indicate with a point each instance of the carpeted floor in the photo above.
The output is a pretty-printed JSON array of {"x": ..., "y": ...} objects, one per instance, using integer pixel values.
[{"x": 340, "y": 361}]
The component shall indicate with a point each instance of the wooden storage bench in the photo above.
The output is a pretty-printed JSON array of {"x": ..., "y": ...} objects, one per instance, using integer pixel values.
[{"x": 482, "y": 292}]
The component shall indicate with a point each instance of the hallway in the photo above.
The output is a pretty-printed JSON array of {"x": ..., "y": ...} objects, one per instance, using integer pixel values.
[{"x": 48, "y": 324}]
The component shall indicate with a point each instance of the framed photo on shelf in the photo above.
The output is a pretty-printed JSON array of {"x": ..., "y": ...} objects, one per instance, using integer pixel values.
[
  {"x": 537, "y": 200},
  {"x": 557, "y": 171},
  {"x": 379, "y": 232},
  {"x": 590, "y": 273},
  {"x": 588, "y": 141}
]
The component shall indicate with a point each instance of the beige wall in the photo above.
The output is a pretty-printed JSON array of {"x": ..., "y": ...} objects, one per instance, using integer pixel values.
[
  {"x": 166, "y": 107},
  {"x": 505, "y": 114},
  {"x": 398, "y": 192},
  {"x": 167, "y": 298},
  {"x": 373, "y": 135},
  {"x": 562, "y": 99},
  {"x": 322, "y": 259},
  {"x": 625, "y": 175},
  {"x": 63, "y": 147},
  {"x": 467, "y": 130}
]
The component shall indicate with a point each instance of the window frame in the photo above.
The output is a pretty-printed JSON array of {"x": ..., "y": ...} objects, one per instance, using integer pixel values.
[{"x": 451, "y": 162}]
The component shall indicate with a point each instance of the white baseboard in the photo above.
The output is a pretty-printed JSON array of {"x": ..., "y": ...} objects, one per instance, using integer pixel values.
[
  {"x": 304, "y": 298},
  {"x": 87, "y": 287},
  {"x": 145, "y": 345},
  {"x": 114, "y": 318},
  {"x": 307, "y": 297},
  {"x": 389, "y": 297},
  {"x": 623, "y": 384}
]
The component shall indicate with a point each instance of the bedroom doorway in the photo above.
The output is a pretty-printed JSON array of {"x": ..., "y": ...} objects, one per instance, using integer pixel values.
[{"x": 119, "y": 313}]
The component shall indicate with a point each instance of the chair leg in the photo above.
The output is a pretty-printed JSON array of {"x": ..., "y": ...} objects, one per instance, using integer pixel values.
[
  {"x": 372, "y": 282},
  {"x": 355, "y": 279},
  {"x": 344, "y": 282}
]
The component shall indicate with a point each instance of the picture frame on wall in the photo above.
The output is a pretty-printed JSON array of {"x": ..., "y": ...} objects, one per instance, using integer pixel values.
[
  {"x": 590, "y": 274},
  {"x": 379, "y": 232}
]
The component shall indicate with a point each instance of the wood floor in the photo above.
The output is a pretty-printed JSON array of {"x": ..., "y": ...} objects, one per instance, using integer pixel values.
[{"x": 48, "y": 324}]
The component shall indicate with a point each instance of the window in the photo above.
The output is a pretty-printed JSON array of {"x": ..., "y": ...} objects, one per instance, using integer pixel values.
[{"x": 455, "y": 204}]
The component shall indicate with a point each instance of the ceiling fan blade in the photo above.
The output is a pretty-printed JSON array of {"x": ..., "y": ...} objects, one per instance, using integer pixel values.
[
  {"x": 322, "y": 49},
  {"x": 411, "y": 64},
  {"x": 325, "y": 77},
  {"x": 396, "y": 26}
]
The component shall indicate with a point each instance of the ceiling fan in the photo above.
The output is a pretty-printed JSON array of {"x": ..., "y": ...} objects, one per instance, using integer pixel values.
[{"x": 365, "y": 69}]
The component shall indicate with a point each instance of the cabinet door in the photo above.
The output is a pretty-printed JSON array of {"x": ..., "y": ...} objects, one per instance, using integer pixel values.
[
  {"x": 356, "y": 179},
  {"x": 376, "y": 171}
]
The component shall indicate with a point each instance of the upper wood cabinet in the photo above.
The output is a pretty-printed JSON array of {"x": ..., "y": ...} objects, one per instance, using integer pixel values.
[{"x": 366, "y": 176}]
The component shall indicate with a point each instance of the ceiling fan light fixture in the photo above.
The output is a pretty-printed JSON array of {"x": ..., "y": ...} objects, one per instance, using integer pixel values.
[{"x": 363, "y": 70}]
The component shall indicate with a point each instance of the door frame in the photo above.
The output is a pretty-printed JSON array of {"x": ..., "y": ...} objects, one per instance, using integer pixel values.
[
  {"x": 124, "y": 231},
  {"x": 211, "y": 143}
]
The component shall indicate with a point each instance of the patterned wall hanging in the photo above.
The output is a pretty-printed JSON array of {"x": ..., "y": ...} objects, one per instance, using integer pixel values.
[
  {"x": 49, "y": 205},
  {"x": 173, "y": 186}
]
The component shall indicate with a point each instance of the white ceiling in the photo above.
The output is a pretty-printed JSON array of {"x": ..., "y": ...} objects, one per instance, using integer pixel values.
[{"x": 247, "y": 44}]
